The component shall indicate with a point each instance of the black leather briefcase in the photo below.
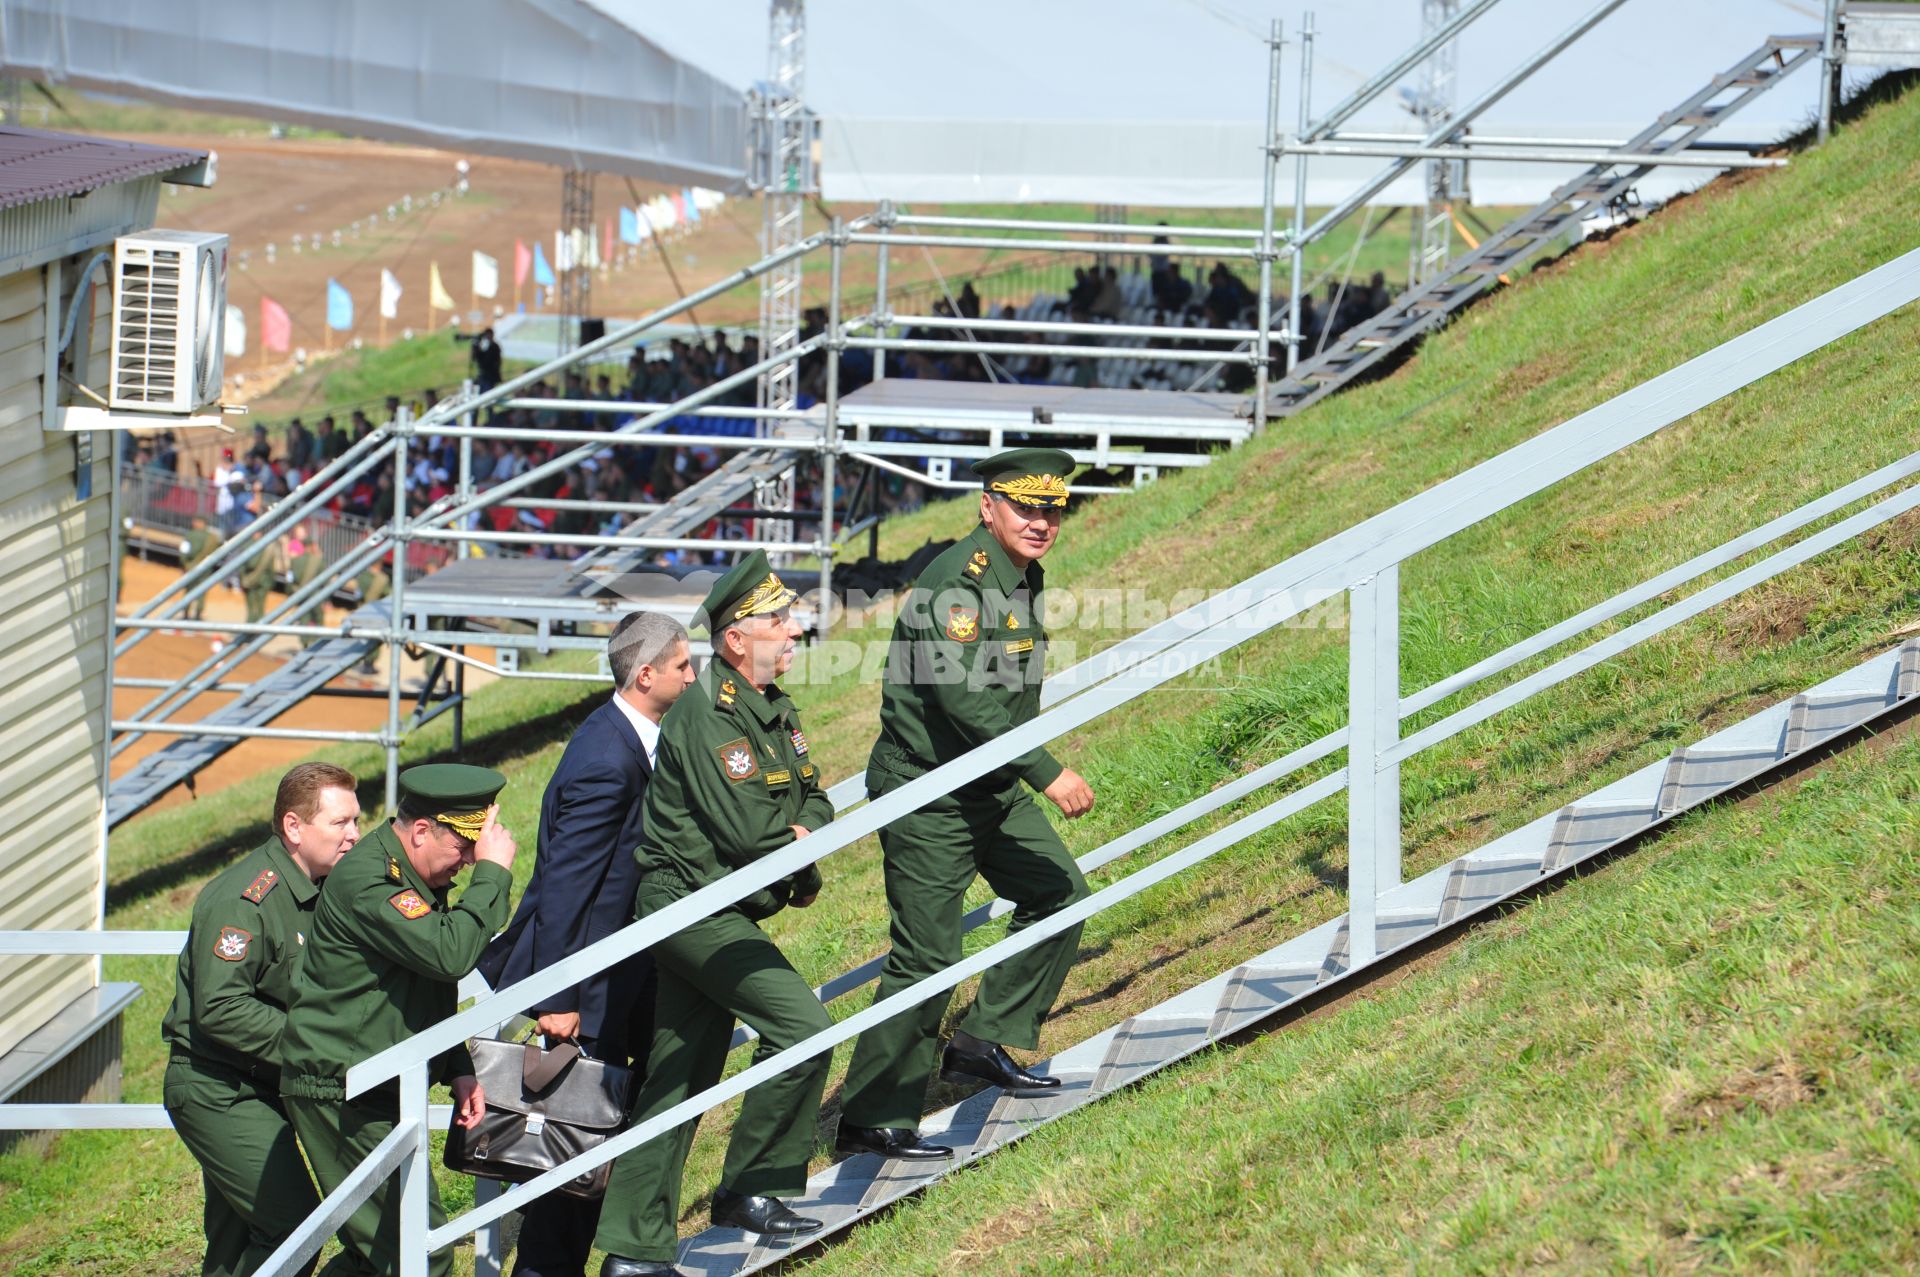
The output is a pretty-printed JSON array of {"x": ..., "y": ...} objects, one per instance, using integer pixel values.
[{"x": 543, "y": 1107}]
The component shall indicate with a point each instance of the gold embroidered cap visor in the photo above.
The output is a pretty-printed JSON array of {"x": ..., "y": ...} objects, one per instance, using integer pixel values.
[
  {"x": 1035, "y": 477},
  {"x": 455, "y": 794},
  {"x": 748, "y": 588}
]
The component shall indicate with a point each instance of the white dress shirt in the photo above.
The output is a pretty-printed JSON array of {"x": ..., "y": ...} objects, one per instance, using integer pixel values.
[{"x": 648, "y": 729}]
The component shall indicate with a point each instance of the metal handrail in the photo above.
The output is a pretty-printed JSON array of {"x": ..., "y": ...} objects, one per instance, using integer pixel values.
[{"x": 1355, "y": 557}]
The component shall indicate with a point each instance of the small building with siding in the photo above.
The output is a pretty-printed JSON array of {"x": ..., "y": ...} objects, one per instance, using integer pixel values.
[{"x": 63, "y": 200}]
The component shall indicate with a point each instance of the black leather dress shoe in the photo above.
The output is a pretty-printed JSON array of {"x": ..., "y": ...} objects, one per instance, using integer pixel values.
[
  {"x": 767, "y": 1215},
  {"x": 888, "y": 1141},
  {"x": 968, "y": 1059},
  {"x": 616, "y": 1266}
]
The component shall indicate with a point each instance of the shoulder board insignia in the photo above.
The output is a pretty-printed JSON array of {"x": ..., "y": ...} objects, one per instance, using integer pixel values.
[
  {"x": 393, "y": 870},
  {"x": 736, "y": 760},
  {"x": 265, "y": 882},
  {"x": 729, "y": 687},
  {"x": 410, "y": 904},
  {"x": 725, "y": 700},
  {"x": 963, "y": 624},
  {"x": 1020, "y": 645},
  {"x": 232, "y": 944},
  {"x": 781, "y": 777},
  {"x": 976, "y": 569},
  {"x": 980, "y": 557}
]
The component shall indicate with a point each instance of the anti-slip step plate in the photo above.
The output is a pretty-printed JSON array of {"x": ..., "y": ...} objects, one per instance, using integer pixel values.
[{"x": 1406, "y": 914}]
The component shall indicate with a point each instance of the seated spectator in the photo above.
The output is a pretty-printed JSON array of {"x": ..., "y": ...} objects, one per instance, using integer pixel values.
[
  {"x": 1172, "y": 290},
  {"x": 1107, "y": 303}
]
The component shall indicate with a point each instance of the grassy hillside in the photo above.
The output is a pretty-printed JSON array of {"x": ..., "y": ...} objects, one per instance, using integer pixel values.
[{"x": 1558, "y": 342}]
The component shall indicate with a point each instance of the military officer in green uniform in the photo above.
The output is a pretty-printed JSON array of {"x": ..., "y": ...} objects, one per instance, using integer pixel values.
[
  {"x": 229, "y": 1014},
  {"x": 260, "y": 575},
  {"x": 384, "y": 959},
  {"x": 734, "y": 781},
  {"x": 199, "y": 542},
  {"x": 967, "y": 656}
]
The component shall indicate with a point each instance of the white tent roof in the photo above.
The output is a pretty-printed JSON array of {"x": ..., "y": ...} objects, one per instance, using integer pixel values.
[
  {"x": 1163, "y": 102},
  {"x": 1140, "y": 102},
  {"x": 549, "y": 80}
]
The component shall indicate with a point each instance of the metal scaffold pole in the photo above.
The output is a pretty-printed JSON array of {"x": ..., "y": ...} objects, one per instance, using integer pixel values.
[
  {"x": 1432, "y": 242},
  {"x": 783, "y": 164},
  {"x": 396, "y": 646},
  {"x": 1263, "y": 339},
  {"x": 576, "y": 246},
  {"x": 1299, "y": 237}
]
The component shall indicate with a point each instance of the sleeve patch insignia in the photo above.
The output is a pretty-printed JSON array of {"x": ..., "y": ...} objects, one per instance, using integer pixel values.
[
  {"x": 799, "y": 742},
  {"x": 963, "y": 624},
  {"x": 410, "y": 904},
  {"x": 232, "y": 944},
  {"x": 736, "y": 759},
  {"x": 261, "y": 885}
]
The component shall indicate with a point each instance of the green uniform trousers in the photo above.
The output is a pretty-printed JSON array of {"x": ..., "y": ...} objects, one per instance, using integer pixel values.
[
  {"x": 717, "y": 970},
  {"x": 257, "y": 1187},
  {"x": 338, "y": 1135},
  {"x": 930, "y": 858}
]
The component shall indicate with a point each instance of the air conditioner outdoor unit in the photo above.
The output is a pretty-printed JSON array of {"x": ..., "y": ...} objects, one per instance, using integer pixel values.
[{"x": 169, "y": 316}]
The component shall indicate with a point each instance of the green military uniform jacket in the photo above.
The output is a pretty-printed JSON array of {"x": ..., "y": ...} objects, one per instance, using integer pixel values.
[
  {"x": 199, "y": 542},
  {"x": 384, "y": 960},
  {"x": 734, "y": 771},
  {"x": 235, "y": 977},
  {"x": 967, "y": 657}
]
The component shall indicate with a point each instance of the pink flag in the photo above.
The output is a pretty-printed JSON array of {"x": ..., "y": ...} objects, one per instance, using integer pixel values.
[
  {"x": 276, "y": 326},
  {"x": 522, "y": 262},
  {"x": 607, "y": 240},
  {"x": 679, "y": 207}
]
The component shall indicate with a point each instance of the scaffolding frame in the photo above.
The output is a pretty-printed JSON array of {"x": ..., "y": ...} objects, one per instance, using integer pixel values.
[{"x": 785, "y": 430}]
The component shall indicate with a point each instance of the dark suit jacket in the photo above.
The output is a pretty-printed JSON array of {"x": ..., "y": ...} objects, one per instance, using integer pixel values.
[{"x": 583, "y": 884}]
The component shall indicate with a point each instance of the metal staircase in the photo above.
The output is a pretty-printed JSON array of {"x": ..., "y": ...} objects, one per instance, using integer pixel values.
[
  {"x": 1238, "y": 999},
  {"x": 744, "y": 473},
  {"x": 1422, "y": 309},
  {"x": 264, "y": 700}
]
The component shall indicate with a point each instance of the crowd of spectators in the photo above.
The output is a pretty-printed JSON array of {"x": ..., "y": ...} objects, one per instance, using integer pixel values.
[{"x": 240, "y": 482}]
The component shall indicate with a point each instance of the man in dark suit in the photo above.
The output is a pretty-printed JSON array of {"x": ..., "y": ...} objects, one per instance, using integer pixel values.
[{"x": 582, "y": 890}]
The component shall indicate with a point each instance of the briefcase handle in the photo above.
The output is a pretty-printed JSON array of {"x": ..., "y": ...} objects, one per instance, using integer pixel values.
[{"x": 539, "y": 1068}]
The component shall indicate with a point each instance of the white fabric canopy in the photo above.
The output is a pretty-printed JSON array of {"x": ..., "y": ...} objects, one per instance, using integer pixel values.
[
  {"x": 550, "y": 80},
  {"x": 1163, "y": 102},
  {"x": 1140, "y": 102}
]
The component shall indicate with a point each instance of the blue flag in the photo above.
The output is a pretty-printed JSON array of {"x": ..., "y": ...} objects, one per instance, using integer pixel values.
[
  {"x": 693, "y": 212},
  {"x": 339, "y": 307},
  {"x": 629, "y": 226},
  {"x": 542, "y": 273}
]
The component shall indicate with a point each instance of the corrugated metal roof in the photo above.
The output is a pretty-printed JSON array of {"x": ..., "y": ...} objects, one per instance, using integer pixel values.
[{"x": 36, "y": 164}]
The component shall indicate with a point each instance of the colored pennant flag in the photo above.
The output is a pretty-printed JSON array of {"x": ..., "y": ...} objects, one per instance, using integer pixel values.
[
  {"x": 603, "y": 248},
  {"x": 522, "y": 262},
  {"x": 486, "y": 275},
  {"x": 542, "y": 273},
  {"x": 390, "y": 291},
  {"x": 679, "y": 207},
  {"x": 236, "y": 334},
  {"x": 339, "y": 307},
  {"x": 437, "y": 295},
  {"x": 276, "y": 326},
  {"x": 629, "y": 226},
  {"x": 691, "y": 205}
]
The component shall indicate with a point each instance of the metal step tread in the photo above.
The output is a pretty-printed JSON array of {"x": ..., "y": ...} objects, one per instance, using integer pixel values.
[
  {"x": 1145, "y": 1043},
  {"x": 694, "y": 505},
  {"x": 265, "y": 700}
]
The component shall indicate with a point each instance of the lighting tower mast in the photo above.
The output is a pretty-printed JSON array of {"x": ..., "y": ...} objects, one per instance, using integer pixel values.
[
  {"x": 1446, "y": 180},
  {"x": 783, "y": 133}
]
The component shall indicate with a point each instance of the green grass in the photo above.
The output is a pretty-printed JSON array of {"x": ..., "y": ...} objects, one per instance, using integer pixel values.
[{"x": 1558, "y": 342}]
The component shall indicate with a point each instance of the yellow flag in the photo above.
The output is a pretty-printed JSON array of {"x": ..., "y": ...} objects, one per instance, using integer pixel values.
[{"x": 436, "y": 291}]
